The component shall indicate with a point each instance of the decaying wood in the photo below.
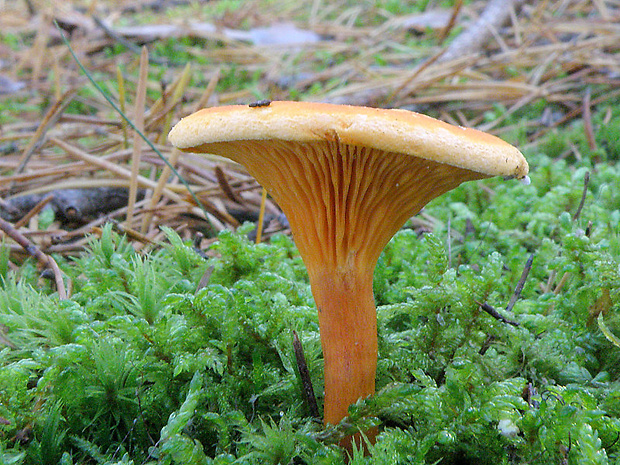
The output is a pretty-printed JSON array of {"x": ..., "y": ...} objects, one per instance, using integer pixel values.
[
  {"x": 472, "y": 39},
  {"x": 72, "y": 206}
]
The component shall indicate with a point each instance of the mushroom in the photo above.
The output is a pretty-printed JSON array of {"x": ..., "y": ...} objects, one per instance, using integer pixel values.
[{"x": 347, "y": 178}]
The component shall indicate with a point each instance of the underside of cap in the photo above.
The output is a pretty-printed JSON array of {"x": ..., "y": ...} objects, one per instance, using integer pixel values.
[{"x": 395, "y": 131}]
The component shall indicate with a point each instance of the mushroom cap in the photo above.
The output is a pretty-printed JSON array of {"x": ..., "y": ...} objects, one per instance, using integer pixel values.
[
  {"x": 390, "y": 130},
  {"x": 346, "y": 177}
]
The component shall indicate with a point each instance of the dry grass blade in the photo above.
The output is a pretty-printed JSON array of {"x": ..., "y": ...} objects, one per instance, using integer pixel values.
[
  {"x": 261, "y": 217},
  {"x": 50, "y": 118},
  {"x": 137, "y": 140}
]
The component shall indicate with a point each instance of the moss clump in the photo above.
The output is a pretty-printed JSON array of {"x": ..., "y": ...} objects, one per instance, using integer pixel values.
[{"x": 140, "y": 366}]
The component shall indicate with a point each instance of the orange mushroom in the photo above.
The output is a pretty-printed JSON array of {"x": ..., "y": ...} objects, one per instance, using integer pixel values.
[{"x": 347, "y": 178}]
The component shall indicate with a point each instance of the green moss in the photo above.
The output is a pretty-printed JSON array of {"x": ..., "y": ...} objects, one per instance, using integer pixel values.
[{"x": 142, "y": 365}]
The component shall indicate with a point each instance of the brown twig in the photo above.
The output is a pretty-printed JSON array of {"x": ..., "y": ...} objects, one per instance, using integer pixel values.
[
  {"x": 33, "y": 211},
  {"x": 521, "y": 283},
  {"x": 304, "y": 373},
  {"x": 43, "y": 259},
  {"x": 261, "y": 217},
  {"x": 451, "y": 22},
  {"x": 51, "y": 117},
  {"x": 400, "y": 89},
  {"x": 587, "y": 121},
  {"x": 574, "y": 113},
  {"x": 495, "y": 314},
  {"x": 206, "y": 277},
  {"x": 225, "y": 185},
  {"x": 131, "y": 233},
  {"x": 31, "y": 9},
  {"x": 560, "y": 285},
  {"x": 586, "y": 181},
  {"x": 73, "y": 205},
  {"x": 113, "y": 168}
]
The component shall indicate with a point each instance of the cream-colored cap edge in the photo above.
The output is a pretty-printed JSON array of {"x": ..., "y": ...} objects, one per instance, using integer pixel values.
[{"x": 398, "y": 131}]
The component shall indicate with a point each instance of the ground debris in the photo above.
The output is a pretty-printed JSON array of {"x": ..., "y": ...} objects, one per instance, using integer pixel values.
[
  {"x": 65, "y": 139},
  {"x": 73, "y": 206}
]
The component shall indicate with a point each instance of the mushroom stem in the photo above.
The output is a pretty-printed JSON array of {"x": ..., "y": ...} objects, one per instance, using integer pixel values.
[{"x": 348, "y": 324}]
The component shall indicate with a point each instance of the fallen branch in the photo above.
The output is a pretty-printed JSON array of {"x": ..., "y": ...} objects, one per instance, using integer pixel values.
[
  {"x": 586, "y": 181},
  {"x": 495, "y": 314},
  {"x": 45, "y": 260},
  {"x": 521, "y": 283},
  {"x": 472, "y": 39},
  {"x": 304, "y": 373},
  {"x": 69, "y": 205}
]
